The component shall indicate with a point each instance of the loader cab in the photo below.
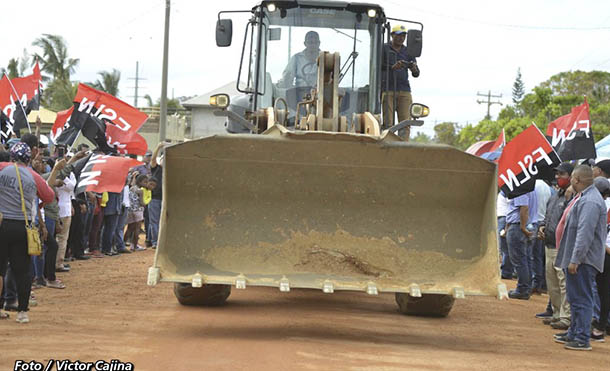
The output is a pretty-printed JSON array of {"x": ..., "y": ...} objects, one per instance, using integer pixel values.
[{"x": 281, "y": 44}]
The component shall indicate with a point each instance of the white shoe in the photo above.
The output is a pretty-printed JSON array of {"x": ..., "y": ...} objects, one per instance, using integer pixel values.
[{"x": 22, "y": 317}]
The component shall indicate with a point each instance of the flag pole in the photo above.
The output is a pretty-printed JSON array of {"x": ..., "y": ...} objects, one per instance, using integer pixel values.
[
  {"x": 17, "y": 95},
  {"x": 75, "y": 139}
]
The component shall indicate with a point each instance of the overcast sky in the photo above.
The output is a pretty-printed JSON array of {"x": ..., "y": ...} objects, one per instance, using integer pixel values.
[{"x": 469, "y": 46}]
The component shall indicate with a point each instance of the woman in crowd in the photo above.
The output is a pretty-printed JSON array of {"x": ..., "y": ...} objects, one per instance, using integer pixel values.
[{"x": 14, "y": 247}]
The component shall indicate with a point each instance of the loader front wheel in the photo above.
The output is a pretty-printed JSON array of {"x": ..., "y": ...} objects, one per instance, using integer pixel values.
[
  {"x": 207, "y": 295},
  {"x": 428, "y": 305}
]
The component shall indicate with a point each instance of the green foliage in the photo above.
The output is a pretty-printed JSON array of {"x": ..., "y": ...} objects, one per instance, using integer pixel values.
[
  {"x": 446, "y": 133},
  {"x": 149, "y": 100},
  {"x": 59, "y": 94},
  {"x": 109, "y": 82},
  {"x": 54, "y": 59},
  {"x": 17, "y": 66},
  {"x": 421, "y": 138},
  {"x": 12, "y": 70},
  {"x": 545, "y": 103},
  {"x": 518, "y": 89}
]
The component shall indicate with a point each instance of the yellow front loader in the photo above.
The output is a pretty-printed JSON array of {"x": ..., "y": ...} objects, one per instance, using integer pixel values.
[{"x": 314, "y": 193}]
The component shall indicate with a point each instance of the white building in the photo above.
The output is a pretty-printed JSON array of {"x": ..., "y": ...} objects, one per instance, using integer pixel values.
[{"x": 203, "y": 121}]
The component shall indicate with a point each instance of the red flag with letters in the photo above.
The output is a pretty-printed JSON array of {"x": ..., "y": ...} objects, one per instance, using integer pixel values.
[
  {"x": 104, "y": 173},
  {"x": 20, "y": 90},
  {"x": 122, "y": 120},
  {"x": 523, "y": 160},
  {"x": 571, "y": 135},
  {"x": 109, "y": 109},
  {"x": 126, "y": 142}
]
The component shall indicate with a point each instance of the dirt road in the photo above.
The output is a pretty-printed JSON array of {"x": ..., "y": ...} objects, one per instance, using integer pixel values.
[{"x": 107, "y": 312}]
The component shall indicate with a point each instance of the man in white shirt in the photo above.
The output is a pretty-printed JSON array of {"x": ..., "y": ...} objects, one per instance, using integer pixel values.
[
  {"x": 501, "y": 210},
  {"x": 65, "y": 193}
]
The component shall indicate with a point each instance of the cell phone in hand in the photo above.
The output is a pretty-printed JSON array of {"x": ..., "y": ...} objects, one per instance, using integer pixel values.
[{"x": 61, "y": 151}]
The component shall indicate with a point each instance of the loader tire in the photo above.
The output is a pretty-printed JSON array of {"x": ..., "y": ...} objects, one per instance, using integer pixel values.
[
  {"x": 428, "y": 305},
  {"x": 207, "y": 295}
]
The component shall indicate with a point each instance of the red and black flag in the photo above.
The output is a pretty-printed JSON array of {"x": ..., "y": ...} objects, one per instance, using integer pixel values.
[
  {"x": 6, "y": 128},
  {"x": 104, "y": 119},
  {"x": 103, "y": 173},
  {"x": 524, "y": 159},
  {"x": 126, "y": 142},
  {"x": 18, "y": 97},
  {"x": 571, "y": 135}
]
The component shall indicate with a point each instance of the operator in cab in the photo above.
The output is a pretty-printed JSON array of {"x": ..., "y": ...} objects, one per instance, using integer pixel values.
[
  {"x": 302, "y": 68},
  {"x": 395, "y": 85}
]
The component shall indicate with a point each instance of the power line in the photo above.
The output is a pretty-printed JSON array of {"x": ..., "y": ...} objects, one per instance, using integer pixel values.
[
  {"x": 505, "y": 25},
  {"x": 489, "y": 102},
  {"x": 137, "y": 79}
]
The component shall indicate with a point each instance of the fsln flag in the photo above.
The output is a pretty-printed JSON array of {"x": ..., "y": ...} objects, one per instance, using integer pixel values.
[
  {"x": 571, "y": 134},
  {"x": 109, "y": 109},
  {"x": 126, "y": 142},
  {"x": 105, "y": 120},
  {"x": 18, "y": 95},
  {"x": 523, "y": 160},
  {"x": 61, "y": 124},
  {"x": 104, "y": 173},
  {"x": 6, "y": 128}
]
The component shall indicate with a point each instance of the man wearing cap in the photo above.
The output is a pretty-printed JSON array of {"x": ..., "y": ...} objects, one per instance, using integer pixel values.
[
  {"x": 395, "y": 87},
  {"x": 555, "y": 277},
  {"x": 581, "y": 236},
  {"x": 602, "y": 168},
  {"x": 302, "y": 68}
]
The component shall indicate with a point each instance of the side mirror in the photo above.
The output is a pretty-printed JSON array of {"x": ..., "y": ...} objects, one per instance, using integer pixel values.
[
  {"x": 224, "y": 32},
  {"x": 414, "y": 43},
  {"x": 419, "y": 110}
]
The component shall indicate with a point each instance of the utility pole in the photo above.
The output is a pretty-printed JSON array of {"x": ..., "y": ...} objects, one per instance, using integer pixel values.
[
  {"x": 163, "y": 113},
  {"x": 137, "y": 79},
  {"x": 489, "y": 102}
]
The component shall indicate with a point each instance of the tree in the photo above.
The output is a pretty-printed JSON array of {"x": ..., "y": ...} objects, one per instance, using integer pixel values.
[
  {"x": 12, "y": 70},
  {"x": 59, "y": 95},
  {"x": 518, "y": 89},
  {"x": 17, "y": 66},
  {"x": 421, "y": 137},
  {"x": 109, "y": 82},
  {"x": 446, "y": 133},
  {"x": 548, "y": 101},
  {"x": 149, "y": 100},
  {"x": 55, "y": 62},
  {"x": 54, "y": 59}
]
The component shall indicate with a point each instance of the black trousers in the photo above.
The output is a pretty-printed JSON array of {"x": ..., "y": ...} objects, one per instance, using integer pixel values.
[
  {"x": 50, "y": 254},
  {"x": 14, "y": 249},
  {"x": 603, "y": 290},
  {"x": 75, "y": 238}
]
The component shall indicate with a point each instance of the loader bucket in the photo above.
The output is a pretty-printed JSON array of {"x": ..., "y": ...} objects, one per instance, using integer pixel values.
[{"x": 332, "y": 211}]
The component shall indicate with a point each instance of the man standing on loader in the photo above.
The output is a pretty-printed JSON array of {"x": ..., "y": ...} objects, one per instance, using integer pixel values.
[{"x": 396, "y": 91}]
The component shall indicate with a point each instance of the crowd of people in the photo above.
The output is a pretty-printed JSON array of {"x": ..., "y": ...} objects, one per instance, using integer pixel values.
[
  {"x": 554, "y": 240},
  {"x": 39, "y": 187}
]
